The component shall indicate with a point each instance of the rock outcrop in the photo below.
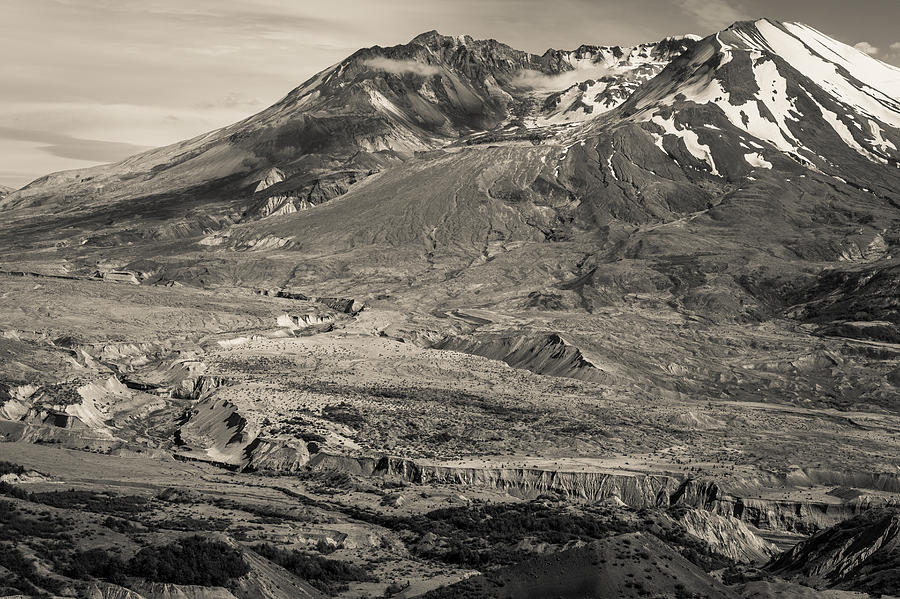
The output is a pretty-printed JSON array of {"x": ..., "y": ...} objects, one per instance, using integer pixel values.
[
  {"x": 726, "y": 535},
  {"x": 198, "y": 387},
  {"x": 342, "y": 304},
  {"x": 728, "y": 513},
  {"x": 552, "y": 354},
  {"x": 277, "y": 455},
  {"x": 215, "y": 431},
  {"x": 161, "y": 590},
  {"x": 804, "y": 517},
  {"x": 862, "y": 553},
  {"x": 632, "y": 489},
  {"x": 106, "y": 590}
]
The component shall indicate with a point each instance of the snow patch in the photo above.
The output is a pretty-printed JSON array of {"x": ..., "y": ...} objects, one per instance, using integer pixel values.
[
  {"x": 819, "y": 57},
  {"x": 725, "y": 51},
  {"x": 610, "y": 165},
  {"x": 756, "y": 160},
  {"x": 878, "y": 141},
  {"x": 843, "y": 131},
  {"x": 690, "y": 139}
]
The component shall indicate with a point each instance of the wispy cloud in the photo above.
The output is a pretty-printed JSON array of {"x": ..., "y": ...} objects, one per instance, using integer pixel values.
[
  {"x": 152, "y": 72},
  {"x": 67, "y": 146},
  {"x": 231, "y": 101},
  {"x": 893, "y": 53},
  {"x": 538, "y": 81},
  {"x": 402, "y": 67},
  {"x": 712, "y": 14}
]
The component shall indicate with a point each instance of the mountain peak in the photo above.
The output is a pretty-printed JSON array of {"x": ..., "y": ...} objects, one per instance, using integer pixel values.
[
  {"x": 786, "y": 86},
  {"x": 428, "y": 37},
  {"x": 747, "y": 24},
  {"x": 434, "y": 39}
]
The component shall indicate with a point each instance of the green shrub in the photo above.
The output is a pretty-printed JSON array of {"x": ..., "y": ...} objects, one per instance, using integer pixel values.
[{"x": 25, "y": 577}]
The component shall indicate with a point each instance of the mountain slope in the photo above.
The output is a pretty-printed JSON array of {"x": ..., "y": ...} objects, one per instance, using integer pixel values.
[
  {"x": 375, "y": 107},
  {"x": 720, "y": 192},
  {"x": 660, "y": 276},
  {"x": 606, "y": 76},
  {"x": 683, "y": 144},
  {"x": 736, "y": 114},
  {"x": 862, "y": 553},
  {"x": 777, "y": 87},
  {"x": 367, "y": 111},
  {"x": 630, "y": 565}
]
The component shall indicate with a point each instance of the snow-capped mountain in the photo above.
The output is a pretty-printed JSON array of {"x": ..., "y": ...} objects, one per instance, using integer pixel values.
[
  {"x": 475, "y": 143},
  {"x": 762, "y": 89},
  {"x": 607, "y": 76},
  {"x": 376, "y": 108}
]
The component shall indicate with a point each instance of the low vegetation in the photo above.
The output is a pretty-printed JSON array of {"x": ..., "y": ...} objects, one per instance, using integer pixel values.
[
  {"x": 23, "y": 577},
  {"x": 92, "y": 501},
  {"x": 96, "y": 563},
  {"x": 328, "y": 575},
  {"x": 50, "y": 535},
  {"x": 192, "y": 560},
  {"x": 485, "y": 536},
  {"x": 10, "y": 468}
]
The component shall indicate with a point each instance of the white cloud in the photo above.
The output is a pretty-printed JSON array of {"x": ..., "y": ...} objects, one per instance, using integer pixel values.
[
  {"x": 549, "y": 83},
  {"x": 867, "y": 48},
  {"x": 136, "y": 124},
  {"x": 402, "y": 67},
  {"x": 893, "y": 54}
]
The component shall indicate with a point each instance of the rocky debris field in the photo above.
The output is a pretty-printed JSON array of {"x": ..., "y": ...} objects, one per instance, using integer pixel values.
[{"x": 348, "y": 460}]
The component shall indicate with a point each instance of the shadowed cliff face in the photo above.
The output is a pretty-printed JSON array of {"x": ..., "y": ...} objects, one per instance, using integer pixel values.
[
  {"x": 740, "y": 504},
  {"x": 860, "y": 553}
]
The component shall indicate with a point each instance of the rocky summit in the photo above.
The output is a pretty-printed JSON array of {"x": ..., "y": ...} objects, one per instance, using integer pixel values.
[{"x": 454, "y": 319}]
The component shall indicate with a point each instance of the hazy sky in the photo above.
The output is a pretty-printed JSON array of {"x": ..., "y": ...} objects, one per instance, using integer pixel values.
[{"x": 90, "y": 81}]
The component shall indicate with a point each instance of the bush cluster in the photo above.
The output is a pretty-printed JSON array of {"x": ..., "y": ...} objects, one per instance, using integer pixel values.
[
  {"x": 191, "y": 560},
  {"x": 328, "y": 575},
  {"x": 24, "y": 577},
  {"x": 10, "y": 468}
]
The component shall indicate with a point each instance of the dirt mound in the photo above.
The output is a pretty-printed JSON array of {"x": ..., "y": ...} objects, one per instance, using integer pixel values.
[
  {"x": 215, "y": 431},
  {"x": 693, "y": 420},
  {"x": 552, "y": 354}
]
